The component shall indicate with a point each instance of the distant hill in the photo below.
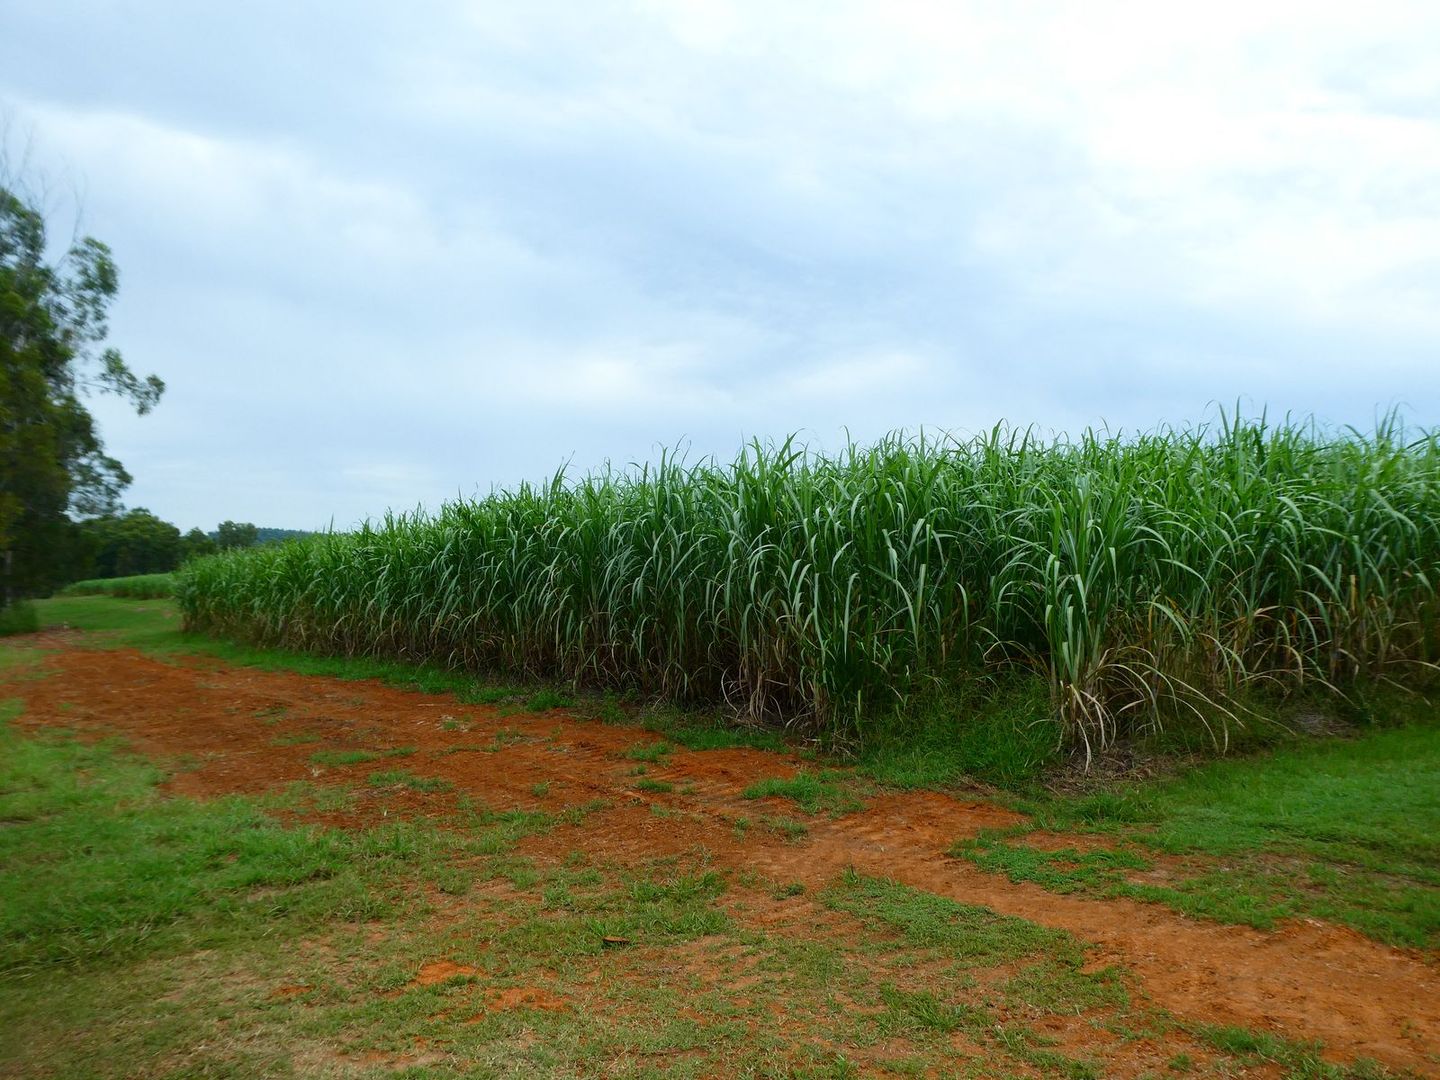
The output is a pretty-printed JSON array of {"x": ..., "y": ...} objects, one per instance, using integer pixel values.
[
  {"x": 265, "y": 535},
  {"x": 275, "y": 536}
]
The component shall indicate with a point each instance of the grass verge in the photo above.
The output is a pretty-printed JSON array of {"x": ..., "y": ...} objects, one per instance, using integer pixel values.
[{"x": 1342, "y": 829}]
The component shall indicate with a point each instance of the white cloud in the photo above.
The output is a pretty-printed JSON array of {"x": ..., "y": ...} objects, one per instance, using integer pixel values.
[{"x": 464, "y": 245}]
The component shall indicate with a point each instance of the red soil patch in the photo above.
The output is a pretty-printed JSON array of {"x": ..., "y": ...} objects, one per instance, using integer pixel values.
[
  {"x": 520, "y": 997},
  {"x": 237, "y": 730},
  {"x": 442, "y": 971},
  {"x": 1043, "y": 840},
  {"x": 283, "y": 992}
]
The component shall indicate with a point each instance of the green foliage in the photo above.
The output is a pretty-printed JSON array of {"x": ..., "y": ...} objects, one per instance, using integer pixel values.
[
  {"x": 53, "y": 320},
  {"x": 1141, "y": 577},
  {"x": 231, "y": 534},
  {"x": 195, "y": 544},
  {"x": 19, "y": 617},
  {"x": 130, "y": 544},
  {"x": 269, "y": 535},
  {"x": 998, "y": 730},
  {"x": 139, "y": 587},
  {"x": 544, "y": 700}
]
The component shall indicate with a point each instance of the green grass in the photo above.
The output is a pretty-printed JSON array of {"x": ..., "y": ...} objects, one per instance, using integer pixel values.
[
  {"x": 299, "y": 738},
  {"x": 135, "y": 587},
  {"x": 788, "y": 827},
  {"x": 830, "y": 790},
  {"x": 150, "y": 625},
  {"x": 650, "y": 752},
  {"x": 1300, "y": 1060},
  {"x": 404, "y": 778},
  {"x": 995, "y": 730},
  {"x": 962, "y": 931},
  {"x": 1346, "y": 829}
]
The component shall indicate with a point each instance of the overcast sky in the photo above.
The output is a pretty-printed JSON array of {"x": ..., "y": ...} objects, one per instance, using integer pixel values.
[{"x": 386, "y": 254}]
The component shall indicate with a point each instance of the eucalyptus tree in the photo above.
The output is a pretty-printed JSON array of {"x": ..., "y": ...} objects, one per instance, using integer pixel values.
[{"x": 53, "y": 325}]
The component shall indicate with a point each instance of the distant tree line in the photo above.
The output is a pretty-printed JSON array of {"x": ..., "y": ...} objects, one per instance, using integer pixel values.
[{"x": 138, "y": 542}]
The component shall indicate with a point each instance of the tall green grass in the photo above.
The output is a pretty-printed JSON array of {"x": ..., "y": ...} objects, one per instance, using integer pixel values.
[
  {"x": 1139, "y": 575},
  {"x": 134, "y": 587}
]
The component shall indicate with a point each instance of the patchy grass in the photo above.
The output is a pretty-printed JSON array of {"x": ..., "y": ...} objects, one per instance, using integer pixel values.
[
  {"x": 962, "y": 931},
  {"x": 403, "y": 778},
  {"x": 1300, "y": 1060},
  {"x": 650, "y": 752},
  {"x": 958, "y": 939},
  {"x": 298, "y": 738},
  {"x": 102, "y": 869},
  {"x": 144, "y": 934},
  {"x": 343, "y": 757},
  {"x": 18, "y": 660},
  {"x": 788, "y": 827},
  {"x": 832, "y": 791},
  {"x": 1342, "y": 829}
]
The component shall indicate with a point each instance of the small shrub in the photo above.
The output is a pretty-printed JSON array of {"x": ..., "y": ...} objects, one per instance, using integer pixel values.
[{"x": 19, "y": 618}]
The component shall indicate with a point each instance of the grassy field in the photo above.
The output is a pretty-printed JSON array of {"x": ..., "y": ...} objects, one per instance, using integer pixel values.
[
  {"x": 237, "y": 937},
  {"x": 1132, "y": 581}
]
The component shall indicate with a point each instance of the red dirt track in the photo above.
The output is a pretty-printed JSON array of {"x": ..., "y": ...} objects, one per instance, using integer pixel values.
[{"x": 1307, "y": 980}]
